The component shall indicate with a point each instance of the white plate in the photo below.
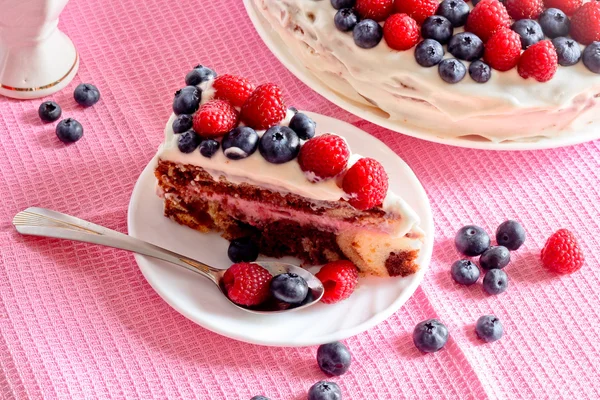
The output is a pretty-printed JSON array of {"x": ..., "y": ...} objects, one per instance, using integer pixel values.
[
  {"x": 199, "y": 300},
  {"x": 280, "y": 50}
]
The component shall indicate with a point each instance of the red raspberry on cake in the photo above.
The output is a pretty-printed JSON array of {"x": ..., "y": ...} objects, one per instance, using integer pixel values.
[
  {"x": 585, "y": 23},
  {"x": 419, "y": 10},
  {"x": 567, "y": 6},
  {"x": 215, "y": 118},
  {"x": 264, "y": 108},
  {"x": 539, "y": 62},
  {"x": 503, "y": 50},
  {"x": 324, "y": 156},
  {"x": 247, "y": 284},
  {"x": 339, "y": 279},
  {"x": 486, "y": 18},
  {"x": 522, "y": 9},
  {"x": 234, "y": 89},
  {"x": 562, "y": 253},
  {"x": 366, "y": 182},
  {"x": 377, "y": 10},
  {"x": 401, "y": 32}
]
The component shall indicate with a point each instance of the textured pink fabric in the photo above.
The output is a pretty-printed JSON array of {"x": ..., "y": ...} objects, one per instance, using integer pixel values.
[{"x": 78, "y": 321}]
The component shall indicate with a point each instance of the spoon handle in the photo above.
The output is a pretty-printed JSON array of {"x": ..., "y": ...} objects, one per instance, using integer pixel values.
[{"x": 43, "y": 222}]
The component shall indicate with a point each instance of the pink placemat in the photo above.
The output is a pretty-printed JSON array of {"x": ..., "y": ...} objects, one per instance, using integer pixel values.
[{"x": 78, "y": 321}]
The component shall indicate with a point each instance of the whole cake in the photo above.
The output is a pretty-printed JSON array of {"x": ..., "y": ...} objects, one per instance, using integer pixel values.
[
  {"x": 236, "y": 160},
  {"x": 533, "y": 65}
]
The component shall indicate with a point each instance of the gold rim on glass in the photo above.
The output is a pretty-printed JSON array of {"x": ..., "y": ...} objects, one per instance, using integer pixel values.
[{"x": 18, "y": 89}]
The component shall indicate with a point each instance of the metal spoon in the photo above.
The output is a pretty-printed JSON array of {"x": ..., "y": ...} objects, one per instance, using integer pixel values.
[{"x": 43, "y": 222}]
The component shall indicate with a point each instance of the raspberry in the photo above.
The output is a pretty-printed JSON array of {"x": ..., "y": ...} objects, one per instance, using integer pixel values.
[
  {"x": 264, "y": 108},
  {"x": 567, "y": 6},
  {"x": 339, "y": 279},
  {"x": 419, "y": 10},
  {"x": 234, "y": 89},
  {"x": 585, "y": 23},
  {"x": 401, "y": 32},
  {"x": 503, "y": 50},
  {"x": 324, "y": 156},
  {"x": 367, "y": 183},
  {"x": 247, "y": 284},
  {"x": 562, "y": 253},
  {"x": 486, "y": 18},
  {"x": 378, "y": 10},
  {"x": 539, "y": 61},
  {"x": 522, "y": 9},
  {"x": 215, "y": 118}
]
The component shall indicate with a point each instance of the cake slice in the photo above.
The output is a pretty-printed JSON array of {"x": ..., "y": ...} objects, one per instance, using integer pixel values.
[{"x": 258, "y": 170}]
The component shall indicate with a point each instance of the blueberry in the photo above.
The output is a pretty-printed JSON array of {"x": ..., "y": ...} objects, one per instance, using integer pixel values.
[
  {"x": 208, "y": 147},
  {"x": 337, "y": 4},
  {"x": 475, "y": 2},
  {"x": 325, "y": 391},
  {"x": 555, "y": 23},
  {"x": 346, "y": 19},
  {"x": 49, "y": 111},
  {"x": 334, "y": 358},
  {"x": 260, "y": 398},
  {"x": 591, "y": 57},
  {"x": 471, "y": 240},
  {"x": 529, "y": 30},
  {"x": 289, "y": 288},
  {"x": 303, "y": 125},
  {"x": 69, "y": 130},
  {"x": 466, "y": 46},
  {"x": 452, "y": 70},
  {"x": 279, "y": 145},
  {"x": 367, "y": 34},
  {"x": 457, "y": 11},
  {"x": 495, "y": 281},
  {"x": 496, "y": 257},
  {"x": 241, "y": 142},
  {"x": 188, "y": 141},
  {"x": 480, "y": 71},
  {"x": 430, "y": 335},
  {"x": 437, "y": 28},
  {"x": 199, "y": 74},
  {"x": 464, "y": 272},
  {"x": 429, "y": 53},
  {"x": 242, "y": 250},
  {"x": 293, "y": 109},
  {"x": 182, "y": 123},
  {"x": 568, "y": 51},
  {"x": 86, "y": 95},
  {"x": 511, "y": 235},
  {"x": 187, "y": 100},
  {"x": 489, "y": 328}
]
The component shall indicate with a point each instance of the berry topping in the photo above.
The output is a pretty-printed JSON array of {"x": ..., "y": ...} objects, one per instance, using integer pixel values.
[
  {"x": 303, "y": 125},
  {"x": 489, "y": 328},
  {"x": 486, "y": 18},
  {"x": 539, "y": 62},
  {"x": 568, "y": 6},
  {"x": 199, "y": 74},
  {"x": 324, "y": 156},
  {"x": 562, "y": 253},
  {"x": 503, "y": 50},
  {"x": 452, "y": 70},
  {"x": 187, "y": 100},
  {"x": 215, "y": 118},
  {"x": 471, "y": 240},
  {"x": 334, "y": 358},
  {"x": 567, "y": 50},
  {"x": 457, "y": 11},
  {"x": 346, "y": 19},
  {"x": 260, "y": 397},
  {"x": 188, "y": 141},
  {"x": 585, "y": 23},
  {"x": 69, "y": 130},
  {"x": 339, "y": 279},
  {"x": 367, "y": 34},
  {"x": 555, "y": 23},
  {"x": 247, "y": 284},
  {"x": 182, "y": 123},
  {"x": 49, "y": 111},
  {"x": 279, "y": 145},
  {"x": 377, "y": 10},
  {"x": 530, "y": 32},
  {"x": 430, "y": 336},
  {"x": 401, "y": 32},
  {"x": 325, "y": 391},
  {"x": 511, "y": 235},
  {"x": 496, "y": 257},
  {"x": 480, "y": 72},
  {"x": 367, "y": 183},
  {"x": 522, "y": 9},
  {"x": 419, "y": 10},
  {"x": 264, "y": 108},
  {"x": 86, "y": 94},
  {"x": 495, "y": 281},
  {"x": 338, "y": 4},
  {"x": 429, "y": 53},
  {"x": 234, "y": 89},
  {"x": 240, "y": 143},
  {"x": 466, "y": 46},
  {"x": 208, "y": 147},
  {"x": 242, "y": 250},
  {"x": 464, "y": 272},
  {"x": 591, "y": 57},
  {"x": 289, "y": 288},
  {"x": 437, "y": 28}
]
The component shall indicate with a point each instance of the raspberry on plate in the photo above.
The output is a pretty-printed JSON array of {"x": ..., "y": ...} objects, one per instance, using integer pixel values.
[
  {"x": 264, "y": 108},
  {"x": 234, "y": 89},
  {"x": 339, "y": 279},
  {"x": 567, "y": 6},
  {"x": 562, "y": 253},
  {"x": 585, "y": 23},
  {"x": 377, "y": 10},
  {"x": 419, "y": 10},
  {"x": 215, "y": 118},
  {"x": 523, "y": 9},
  {"x": 486, "y": 18},
  {"x": 324, "y": 156},
  {"x": 539, "y": 62},
  {"x": 503, "y": 50},
  {"x": 247, "y": 284},
  {"x": 401, "y": 32},
  {"x": 367, "y": 183}
]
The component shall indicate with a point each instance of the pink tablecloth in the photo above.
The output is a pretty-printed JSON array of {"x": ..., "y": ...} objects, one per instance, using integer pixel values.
[{"x": 78, "y": 321}]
